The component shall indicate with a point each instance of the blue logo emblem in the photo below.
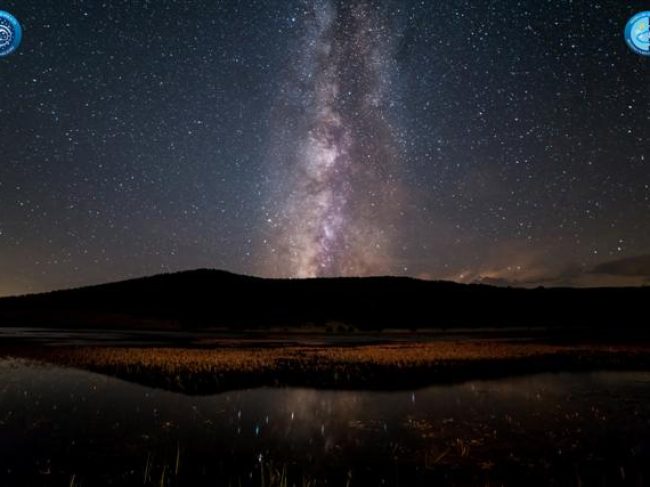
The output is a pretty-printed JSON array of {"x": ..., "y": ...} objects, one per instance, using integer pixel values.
[
  {"x": 637, "y": 33},
  {"x": 10, "y": 33}
]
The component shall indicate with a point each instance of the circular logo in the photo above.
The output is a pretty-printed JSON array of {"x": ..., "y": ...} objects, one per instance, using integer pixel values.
[
  {"x": 10, "y": 33},
  {"x": 637, "y": 33}
]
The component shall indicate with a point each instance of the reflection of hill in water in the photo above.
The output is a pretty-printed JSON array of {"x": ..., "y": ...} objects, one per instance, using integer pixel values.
[{"x": 552, "y": 429}]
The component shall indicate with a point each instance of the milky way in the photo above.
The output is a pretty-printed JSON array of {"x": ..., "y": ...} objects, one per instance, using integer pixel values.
[
  {"x": 336, "y": 191},
  {"x": 468, "y": 141}
]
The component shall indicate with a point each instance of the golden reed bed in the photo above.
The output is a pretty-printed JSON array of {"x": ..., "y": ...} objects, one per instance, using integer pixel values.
[{"x": 169, "y": 360}]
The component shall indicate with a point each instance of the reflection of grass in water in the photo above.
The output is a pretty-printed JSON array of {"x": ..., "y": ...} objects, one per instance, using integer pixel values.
[
  {"x": 455, "y": 456},
  {"x": 270, "y": 474},
  {"x": 456, "y": 451},
  {"x": 146, "y": 468},
  {"x": 178, "y": 458}
]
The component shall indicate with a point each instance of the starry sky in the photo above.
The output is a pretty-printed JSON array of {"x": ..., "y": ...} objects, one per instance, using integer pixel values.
[{"x": 499, "y": 142}]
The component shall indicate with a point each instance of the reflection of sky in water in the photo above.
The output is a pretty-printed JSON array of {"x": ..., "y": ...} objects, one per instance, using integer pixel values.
[{"x": 58, "y": 422}]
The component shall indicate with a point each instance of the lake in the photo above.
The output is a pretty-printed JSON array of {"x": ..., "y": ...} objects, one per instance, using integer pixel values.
[{"x": 61, "y": 426}]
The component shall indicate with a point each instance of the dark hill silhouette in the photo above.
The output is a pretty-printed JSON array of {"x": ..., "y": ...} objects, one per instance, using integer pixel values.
[{"x": 212, "y": 298}]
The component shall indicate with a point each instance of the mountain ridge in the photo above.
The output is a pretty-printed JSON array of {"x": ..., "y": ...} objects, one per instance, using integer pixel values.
[{"x": 204, "y": 298}]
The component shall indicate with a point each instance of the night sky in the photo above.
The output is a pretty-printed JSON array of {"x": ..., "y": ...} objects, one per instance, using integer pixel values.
[{"x": 503, "y": 142}]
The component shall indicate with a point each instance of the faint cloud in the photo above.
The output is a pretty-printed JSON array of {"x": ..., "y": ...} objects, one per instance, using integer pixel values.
[
  {"x": 514, "y": 265},
  {"x": 630, "y": 266}
]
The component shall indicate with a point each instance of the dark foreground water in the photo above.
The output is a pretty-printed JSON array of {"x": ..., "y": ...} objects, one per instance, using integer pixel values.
[{"x": 67, "y": 427}]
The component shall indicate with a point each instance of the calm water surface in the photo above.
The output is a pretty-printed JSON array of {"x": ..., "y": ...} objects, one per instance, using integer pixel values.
[{"x": 70, "y": 427}]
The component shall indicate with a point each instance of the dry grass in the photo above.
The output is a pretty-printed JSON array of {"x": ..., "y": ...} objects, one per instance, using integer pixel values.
[
  {"x": 171, "y": 361},
  {"x": 167, "y": 360}
]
